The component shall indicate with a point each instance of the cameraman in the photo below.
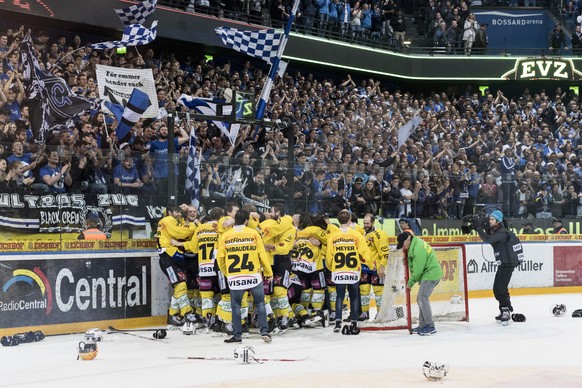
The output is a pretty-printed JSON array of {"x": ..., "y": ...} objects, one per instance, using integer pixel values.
[{"x": 508, "y": 254}]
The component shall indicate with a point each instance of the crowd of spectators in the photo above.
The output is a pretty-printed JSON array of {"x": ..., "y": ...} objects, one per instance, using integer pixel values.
[
  {"x": 340, "y": 148},
  {"x": 447, "y": 24},
  {"x": 355, "y": 20}
]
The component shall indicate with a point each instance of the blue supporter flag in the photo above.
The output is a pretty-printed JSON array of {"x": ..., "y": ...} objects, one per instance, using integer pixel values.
[
  {"x": 407, "y": 129},
  {"x": 137, "y": 104},
  {"x": 136, "y": 14},
  {"x": 260, "y": 44},
  {"x": 52, "y": 104},
  {"x": 133, "y": 35},
  {"x": 193, "y": 171},
  {"x": 209, "y": 107}
]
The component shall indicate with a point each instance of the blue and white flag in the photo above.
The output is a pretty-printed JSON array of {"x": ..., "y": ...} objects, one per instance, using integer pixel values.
[
  {"x": 133, "y": 35},
  {"x": 133, "y": 111},
  {"x": 267, "y": 45},
  {"x": 209, "y": 107},
  {"x": 51, "y": 102},
  {"x": 407, "y": 129},
  {"x": 136, "y": 14},
  {"x": 260, "y": 44},
  {"x": 193, "y": 170}
]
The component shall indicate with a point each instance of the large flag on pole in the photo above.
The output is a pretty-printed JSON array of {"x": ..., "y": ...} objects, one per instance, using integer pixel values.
[
  {"x": 193, "y": 170},
  {"x": 136, "y": 14},
  {"x": 266, "y": 92},
  {"x": 267, "y": 45},
  {"x": 261, "y": 44},
  {"x": 209, "y": 107},
  {"x": 407, "y": 129},
  {"x": 133, "y": 35},
  {"x": 52, "y": 104}
]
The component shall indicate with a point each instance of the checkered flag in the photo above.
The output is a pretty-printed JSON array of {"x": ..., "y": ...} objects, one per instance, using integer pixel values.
[
  {"x": 136, "y": 14},
  {"x": 193, "y": 171},
  {"x": 133, "y": 35},
  {"x": 260, "y": 44}
]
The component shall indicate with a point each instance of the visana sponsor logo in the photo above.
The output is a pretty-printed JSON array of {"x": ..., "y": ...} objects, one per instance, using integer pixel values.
[
  {"x": 345, "y": 277},
  {"x": 243, "y": 282},
  {"x": 304, "y": 266}
]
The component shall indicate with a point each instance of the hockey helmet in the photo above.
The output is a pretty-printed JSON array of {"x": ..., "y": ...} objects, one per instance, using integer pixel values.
[
  {"x": 433, "y": 371},
  {"x": 245, "y": 354},
  {"x": 559, "y": 310},
  {"x": 87, "y": 350},
  {"x": 95, "y": 335}
]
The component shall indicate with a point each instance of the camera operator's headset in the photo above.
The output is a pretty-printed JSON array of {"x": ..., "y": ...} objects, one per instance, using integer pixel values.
[{"x": 482, "y": 216}]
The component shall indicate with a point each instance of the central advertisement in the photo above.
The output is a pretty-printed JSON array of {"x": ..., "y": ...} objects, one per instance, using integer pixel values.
[{"x": 41, "y": 292}]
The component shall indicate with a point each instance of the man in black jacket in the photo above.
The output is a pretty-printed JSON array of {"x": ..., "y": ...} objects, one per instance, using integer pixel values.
[
  {"x": 558, "y": 228},
  {"x": 508, "y": 254}
]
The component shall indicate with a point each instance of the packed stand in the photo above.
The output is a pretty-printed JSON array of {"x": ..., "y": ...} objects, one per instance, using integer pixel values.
[
  {"x": 362, "y": 21},
  {"x": 520, "y": 152}
]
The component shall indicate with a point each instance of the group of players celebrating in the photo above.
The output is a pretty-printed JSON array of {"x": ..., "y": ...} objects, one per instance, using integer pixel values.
[{"x": 284, "y": 265}]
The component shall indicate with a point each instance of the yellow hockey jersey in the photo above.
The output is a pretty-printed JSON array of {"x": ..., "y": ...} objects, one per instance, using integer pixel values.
[
  {"x": 204, "y": 242},
  {"x": 169, "y": 228},
  {"x": 378, "y": 243},
  {"x": 308, "y": 257},
  {"x": 240, "y": 256},
  {"x": 346, "y": 251}
]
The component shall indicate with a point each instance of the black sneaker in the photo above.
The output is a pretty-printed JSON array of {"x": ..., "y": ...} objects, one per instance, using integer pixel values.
[
  {"x": 338, "y": 327},
  {"x": 233, "y": 340},
  {"x": 267, "y": 338}
]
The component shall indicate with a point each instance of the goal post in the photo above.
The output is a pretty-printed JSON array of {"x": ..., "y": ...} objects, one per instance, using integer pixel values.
[{"x": 449, "y": 301}]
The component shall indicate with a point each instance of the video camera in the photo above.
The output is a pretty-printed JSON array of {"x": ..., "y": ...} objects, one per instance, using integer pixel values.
[
  {"x": 480, "y": 220},
  {"x": 471, "y": 222}
]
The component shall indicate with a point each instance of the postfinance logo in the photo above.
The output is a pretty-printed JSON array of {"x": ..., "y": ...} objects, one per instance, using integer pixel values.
[{"x": 35, "y": 278}]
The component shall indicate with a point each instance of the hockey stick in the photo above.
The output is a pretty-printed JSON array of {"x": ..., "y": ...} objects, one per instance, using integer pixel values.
[
  {"x": 130, "y": 330},
  {"x": 232, "y": 359},
  {"x": 133, "y": 334}
]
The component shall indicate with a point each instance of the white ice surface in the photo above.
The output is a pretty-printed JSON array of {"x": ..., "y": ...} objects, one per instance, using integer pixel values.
[{"x": 545, "y": 351}]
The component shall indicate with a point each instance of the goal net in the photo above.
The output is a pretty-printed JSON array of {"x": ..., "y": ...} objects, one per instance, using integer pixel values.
[{"x": 398, "y": 308}]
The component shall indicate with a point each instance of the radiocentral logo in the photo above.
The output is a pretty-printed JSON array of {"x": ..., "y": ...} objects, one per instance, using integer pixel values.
[{"x": 16, "y": 288}]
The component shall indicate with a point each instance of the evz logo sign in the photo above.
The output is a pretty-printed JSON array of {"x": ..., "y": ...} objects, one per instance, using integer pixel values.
[{"x": 543, "y": 68}]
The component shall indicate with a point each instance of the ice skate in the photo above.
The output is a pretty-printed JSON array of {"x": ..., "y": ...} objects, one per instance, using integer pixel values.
[{"x": 505, "y": 316}]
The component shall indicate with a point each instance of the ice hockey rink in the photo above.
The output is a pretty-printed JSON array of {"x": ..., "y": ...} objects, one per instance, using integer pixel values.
[{"x": 544, "y": 351}]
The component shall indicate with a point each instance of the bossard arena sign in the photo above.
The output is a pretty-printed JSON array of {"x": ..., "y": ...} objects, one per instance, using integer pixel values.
[{"x": 543, "y": 68}]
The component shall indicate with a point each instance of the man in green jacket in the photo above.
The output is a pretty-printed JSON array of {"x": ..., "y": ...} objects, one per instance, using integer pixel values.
[{"x": 426, "y": 270}]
